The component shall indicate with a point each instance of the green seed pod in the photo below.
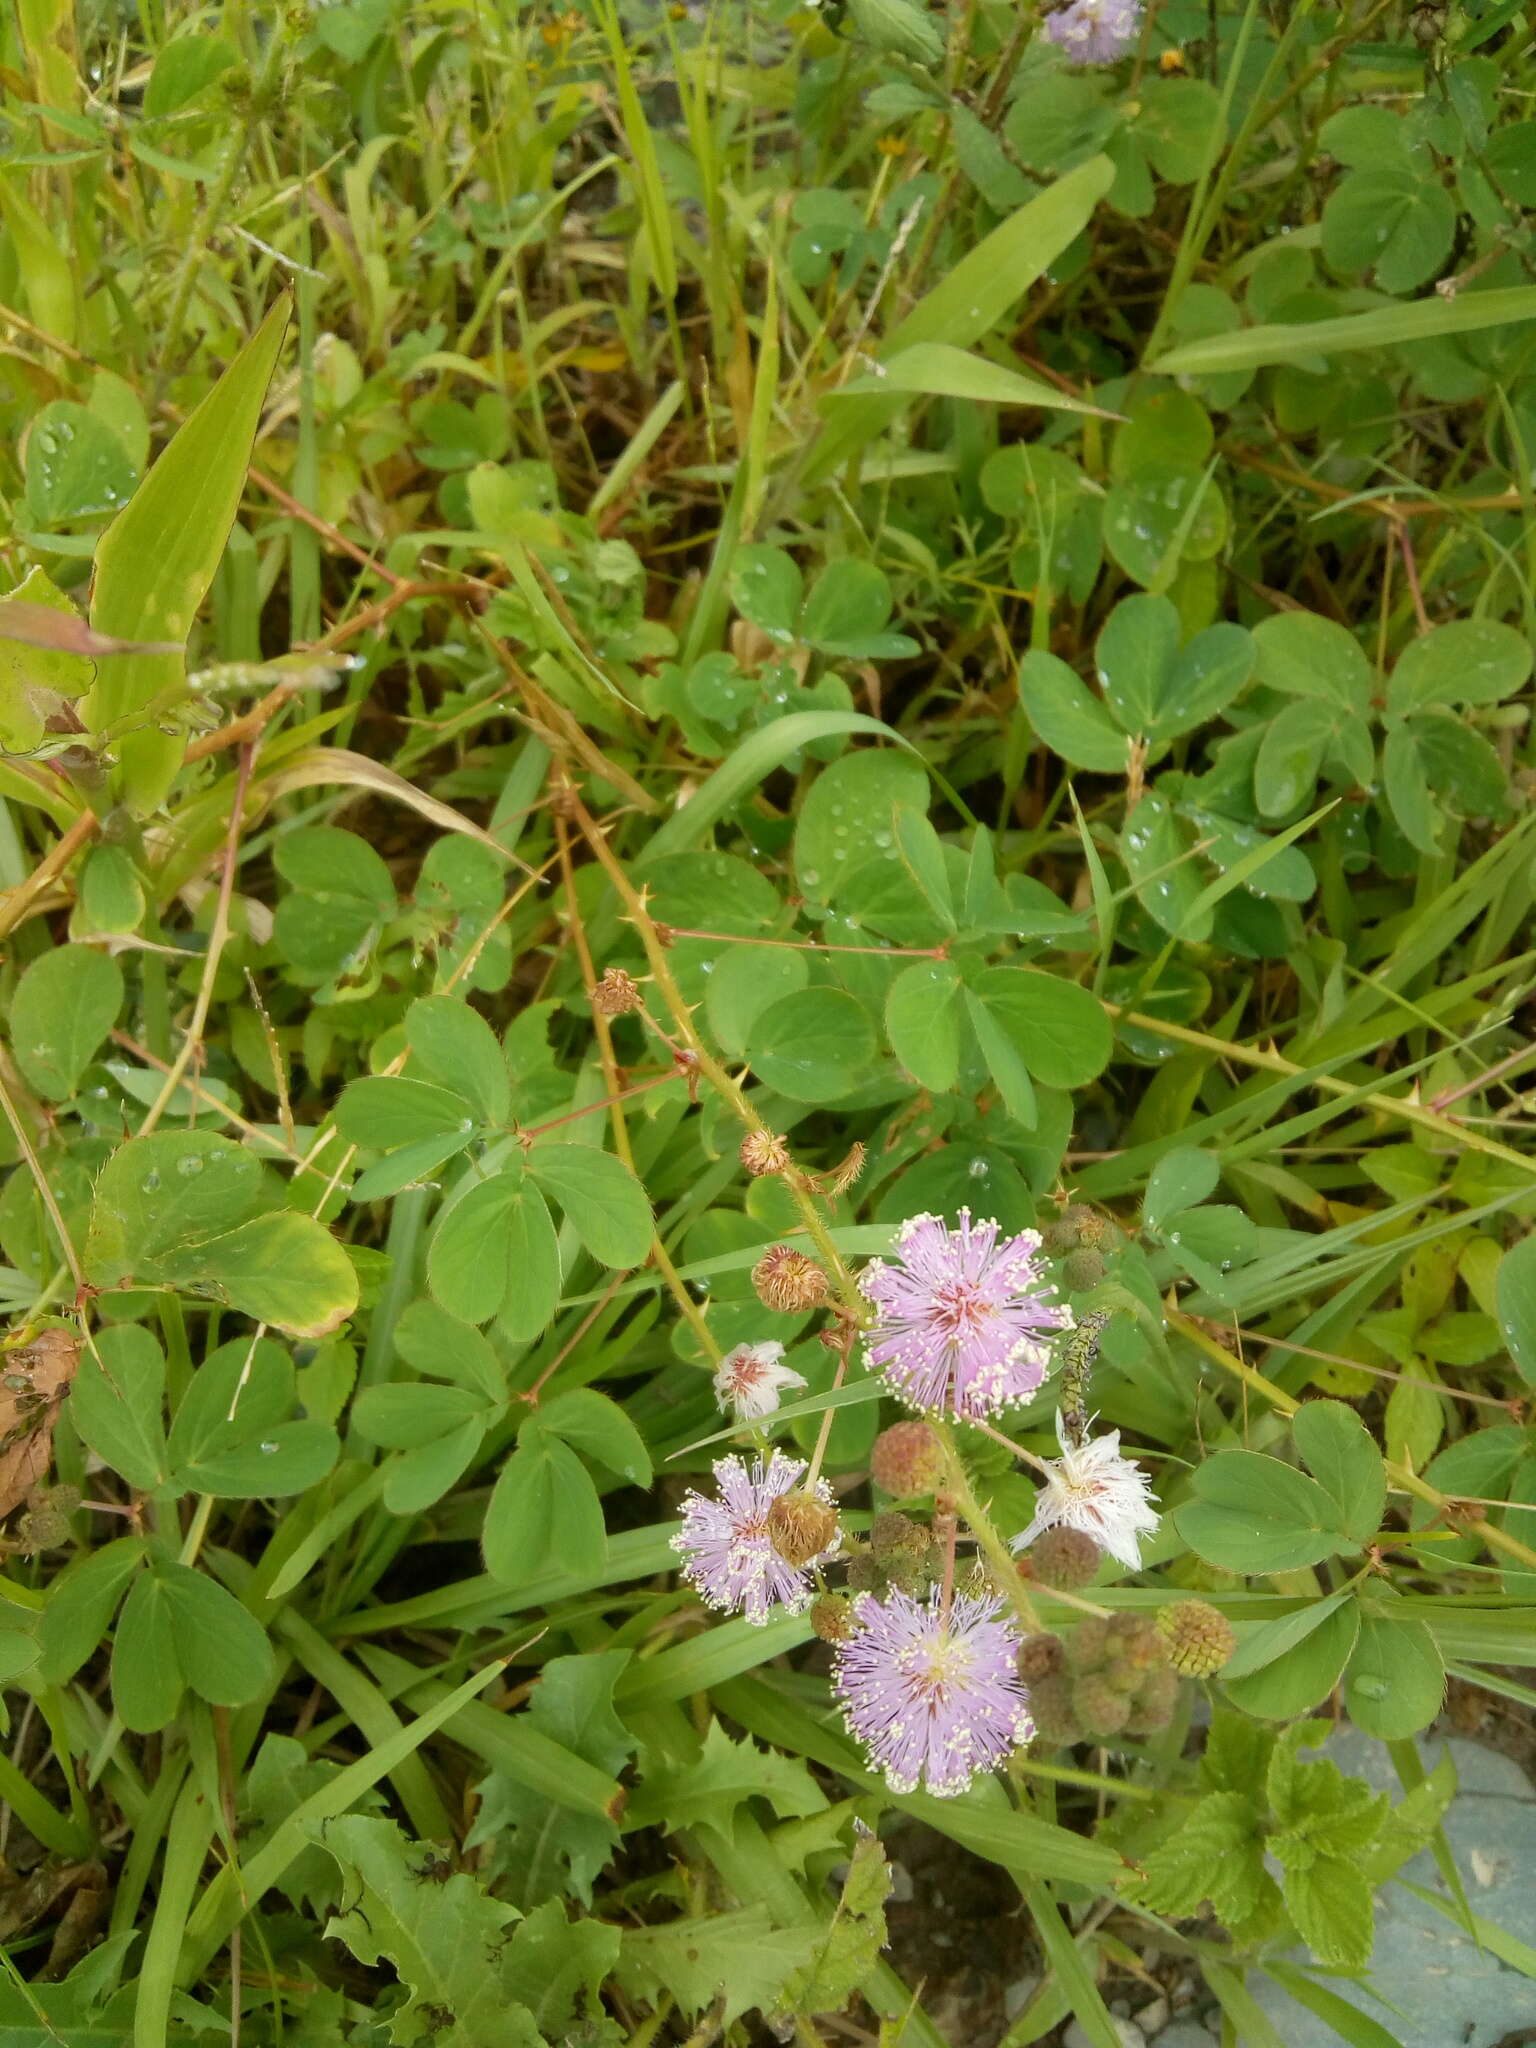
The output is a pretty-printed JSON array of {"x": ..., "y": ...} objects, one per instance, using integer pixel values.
[
  {"x": 1199, "y": 1637},
  {"x": 1102, "y": 1710},
  {"x": 1089, "y": 1647},
  {"x": 1050, "y": 1701},
  {"x": 1063, "y": 1557},
  {"x": 1082, "y": 1270},
  {"x": 1153, "y": 1705}
]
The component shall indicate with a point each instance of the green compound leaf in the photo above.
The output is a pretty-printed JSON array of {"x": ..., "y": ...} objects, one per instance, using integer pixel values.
[
  {"x": 495, "y": 1250},
  {"x": 922, "y": 1021},
  {"x": 1254, "y": 1514},
  {"x": 601, "y": 1199},
  {"x": 190, "y": 1210},
  {"x": 814, "y": 1046},
  {"x": 65, "y": 1004},
  {"x": 1395, "y": 1684},
  {"x": 1341, "y": 1455}
]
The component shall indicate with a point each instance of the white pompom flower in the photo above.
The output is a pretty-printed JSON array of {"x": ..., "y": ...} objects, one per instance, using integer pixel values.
[
  {"x": 1090, "y": 1487},
  {"x": 751, "y": 1380}
]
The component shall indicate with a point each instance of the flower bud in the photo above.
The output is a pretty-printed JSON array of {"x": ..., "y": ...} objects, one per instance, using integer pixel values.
[
  {"x": 616, "y": 994},
  {"x": 1064, "y": 1557},
  {"x": 801, "y": 1527},
  {"x": 1040, "y": 1656},
  {"x": 831, "y": 1617},
  {"x": 764, "y": 1152},
  {"x": 1199, "y": 1637},
  {"x": 1066, "y": 1233},
  {"x": 907, "y": 1460},
  {"x": 788, "y": 1281}
]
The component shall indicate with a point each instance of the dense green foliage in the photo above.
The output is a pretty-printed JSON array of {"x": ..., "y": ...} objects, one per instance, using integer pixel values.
[{"x": 986, "y": 608}]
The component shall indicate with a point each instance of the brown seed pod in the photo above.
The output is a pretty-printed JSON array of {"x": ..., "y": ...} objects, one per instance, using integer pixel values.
[
  {"x": 801, "y": 1527},
  {"x": 907, "y": 1460},
  {"x": 1041, "y": 1656},
  {"x": 788, "y": 1281},
  {"x": 764, "y": 1152},
  {"x": 1063, "y": 1557},
  {"x": 616, "y": 994}
]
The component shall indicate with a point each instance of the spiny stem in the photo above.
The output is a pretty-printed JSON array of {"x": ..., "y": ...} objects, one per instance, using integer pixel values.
[
  {"x": 709, "y": 1068},
  {"x": 1005, "y": 1571}
]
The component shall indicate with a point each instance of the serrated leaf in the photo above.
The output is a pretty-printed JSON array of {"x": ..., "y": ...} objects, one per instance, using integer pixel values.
[
  {"x": 850, "y": 1947},
  {"x": 1219, "y": 1844},
  {"x": 724, "y": 1775},
  {"x": 740, "y": 1955},
  {"x": 1331, "y": 1908},
  {"x": 446, "y": 1940}
]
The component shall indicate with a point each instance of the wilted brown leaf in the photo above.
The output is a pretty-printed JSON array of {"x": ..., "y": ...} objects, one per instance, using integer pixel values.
[
  {"x": 39, "y": 625},
  {"x": 33, "y": 1381}
]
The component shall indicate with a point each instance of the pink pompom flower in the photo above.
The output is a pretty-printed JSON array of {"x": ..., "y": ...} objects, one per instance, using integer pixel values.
[
  {"x": 933, "y": 1696},
  {"x": 964, "y": 1318},
  {"x": 727, "y": 1556},
  {"x": 1094, "y": 31}
]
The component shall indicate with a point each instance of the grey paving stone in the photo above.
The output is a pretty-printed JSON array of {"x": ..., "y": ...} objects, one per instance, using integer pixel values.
[{"x": 1448, "y": 1993}]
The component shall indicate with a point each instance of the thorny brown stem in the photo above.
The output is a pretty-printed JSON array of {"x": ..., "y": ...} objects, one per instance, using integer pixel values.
[{"x": 621, "y": 1145}]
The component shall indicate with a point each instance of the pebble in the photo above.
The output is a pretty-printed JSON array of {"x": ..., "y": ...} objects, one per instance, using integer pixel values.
[{"x": 1131, "y": 2036}]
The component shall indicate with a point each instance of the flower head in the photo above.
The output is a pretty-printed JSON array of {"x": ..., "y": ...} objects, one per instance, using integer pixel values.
[
  {"x": 1092, "y": 1488},
  {"x": 788, "y": 1281},
  {"x": 934, "y": 1697},
  {"x": 751, "y": 1379},
  {"x": 727, "y": 1555},
  {"x": 965, "y": 1317},
  {"x": 1094, "y": 31}
]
